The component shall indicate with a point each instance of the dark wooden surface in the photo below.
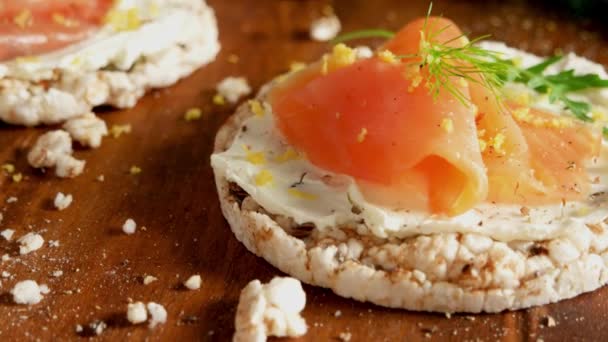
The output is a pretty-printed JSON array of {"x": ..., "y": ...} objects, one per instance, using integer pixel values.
[{"x": 174, "y": 198}]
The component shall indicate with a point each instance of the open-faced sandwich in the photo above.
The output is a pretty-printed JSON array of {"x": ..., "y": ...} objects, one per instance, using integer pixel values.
[{"x": 440, "y": 174}]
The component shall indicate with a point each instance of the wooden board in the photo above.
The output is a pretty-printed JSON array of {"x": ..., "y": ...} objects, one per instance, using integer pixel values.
[{"x": 174, "y": 198}]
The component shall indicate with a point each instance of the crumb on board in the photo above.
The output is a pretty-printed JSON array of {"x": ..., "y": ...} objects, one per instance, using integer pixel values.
[
  {"x": 136, "y": 313},
  {"x": 194, "y": 282},
  {"x": 158, "y": 314},
  {"x": 345, "y": 336},
  {"x": 233, "y": 88},
  {"x": 148, "y": 279},
  {"x": 62, "y": 201},
  {"x": 118, "y": 130},
  {"x": 28, "y": 292},
  {"x": 193, "y": 114},
  {"x": 129, "y": 226},
  {"x": 325, "y": 28},
  {"x": 135, "y": 170},
  {"x": 30, "y": 242},
  {"x": 7, "y": 234}
]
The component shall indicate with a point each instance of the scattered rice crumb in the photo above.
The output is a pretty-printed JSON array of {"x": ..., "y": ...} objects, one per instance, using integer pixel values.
[
  {"x": 11, "y": 199},
  {"x": 233, "y": 88},
  {"x": 158, "y": 314},
  {"x": 30, "y": 242},
  {"x": 62, "y": 201},
  {"x": 53, "y": 243},
  {"x": 118, "y": 130},
  {"x": 57, "y": 273},
  {"x": 7, "y": 234},
  {"x": 6, "y": 257},
  {"x": 550, "y": 321},
  {"x": 98, "y": 327},
  {"x": 345, "y": 336},
  {"x": 101, "y": 178},
  {"x": 27, "y": 292},
  {"x": 325, "y": 28},
  {"x": 363, "y": 52},
  {"x": 338, "y": 313},
  {"x": 78, "y": 328},
  {"x": 136, "y": 313},
  {"x": 193, "y": 283},
  {"x": 129, "y": 226},
  {"x": 148, "y": 279}
]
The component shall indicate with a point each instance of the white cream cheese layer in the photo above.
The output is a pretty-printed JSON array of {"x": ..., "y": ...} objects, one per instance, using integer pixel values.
[
  {"x": 164, "y": 23},
  {"x": 284, "y": 183}
]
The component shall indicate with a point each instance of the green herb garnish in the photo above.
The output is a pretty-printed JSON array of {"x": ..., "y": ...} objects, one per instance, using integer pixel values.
[
  {"x": 557, "y": 86},
  {"x": 362, "y": 34},
  {"x": 487, "y": 68}
]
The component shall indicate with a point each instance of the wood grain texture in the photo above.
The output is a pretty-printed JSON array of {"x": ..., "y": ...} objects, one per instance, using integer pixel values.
[{"x": 174, "y": 198}]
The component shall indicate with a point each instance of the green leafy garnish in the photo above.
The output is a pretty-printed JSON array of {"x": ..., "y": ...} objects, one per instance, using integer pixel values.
[
  {"x": 557, "y": 86},
  {"x": 605, "y": 132},
  {"x": 361, "y": 34}
]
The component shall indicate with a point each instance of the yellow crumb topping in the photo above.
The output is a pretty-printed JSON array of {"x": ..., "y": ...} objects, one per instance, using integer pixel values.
[
  {"x": 296, "y": 66},
  {"x": 23, "y": 19},
  {"x": 219, "y": 99},
  {"x": 519, "y": 96},
  {"x": 62, "y": 20},
  {"x": 232, "y": 58},
  {"x": 362, "y": 134},
  {"x": 135, "y": 170},
  {"x": 324, "y": 65},
  {"x": 193, "y": 114},
  {"x": 27, "y": 59},
  {"x": 8, "y": 168},
  {"x": 118, "y": 130},
  {"x": 524, "y": 115},
  {"x": 388, "y": 57},
  {"x": 263, "y": 178},
  {"x": 256, "y": 107},
  {"x": 17, "y": 177},
  {"x": 124, "y": 20},
  {"x": 256, "y": 158},
  {"x": 482, "y": 144},
  {"x": 301, "y": 194},
  {"x": 497, "y": 143},
  {"x": 447, "y": 125},
  {"x": 342, "y": 56},
  {"x": 288, "y": 155}
]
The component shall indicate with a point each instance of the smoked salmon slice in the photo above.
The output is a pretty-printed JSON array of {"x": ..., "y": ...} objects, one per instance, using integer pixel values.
[
  {"x": 32, "y": 27},
  {"x": 375, "y": 120}
]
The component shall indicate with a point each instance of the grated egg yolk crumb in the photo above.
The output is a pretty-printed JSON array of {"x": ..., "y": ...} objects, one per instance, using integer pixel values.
[
  {"x": 482, "y": 145},
  {"x": 23, "y": 19},
  {"x": 288, "y": 155},
  {"x": 17, "y": 177},
  {"x": 497, "y": 143},
  {"x": 256, "y": 158},
  {"x": 193, "y": 114},
  {"x": 256, "y": 107},
  {"x": 264, "y": 177},
  {"x": 27, "y": 59},
  {"x": 342, "y": 56},
  {"x": 61, "y": 20},
  {"x": 219, "y": 100},
  {"x": 118, "y": 130},
  {"x": 388, "y": 57},
  {"x": 124, "y": 20},
  {"x": 8, "y": 168},
  {"x": 135, "y": 170},
  {"x": 447, "y": 125},
  {"x": 524, "y": 115},
  {"x": 296, "y": 66},
  {"x": 301, "y": 194},
  {"x": 362, "y": 134},
  {"x": 233, "y": 58}
]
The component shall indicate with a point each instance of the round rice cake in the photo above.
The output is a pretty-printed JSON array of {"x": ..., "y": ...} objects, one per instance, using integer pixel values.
[{"x": 442, "y": 272}]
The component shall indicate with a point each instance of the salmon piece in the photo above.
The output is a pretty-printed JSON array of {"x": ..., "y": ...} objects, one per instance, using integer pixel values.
[
  {"x": 375, "y": 120},
  {"x": 32, "y": 27},
  {"x": 367, "y": 120},
  {"x": 542, "y": 159}
]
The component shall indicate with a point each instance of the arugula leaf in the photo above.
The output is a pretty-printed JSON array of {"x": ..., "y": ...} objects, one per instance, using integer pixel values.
[
  {"x": 579, "y": 109},
  {"x": 605, "y": 132},
  {"x": 573, "y": 82},
  {"x": 539, "y": 68}
]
